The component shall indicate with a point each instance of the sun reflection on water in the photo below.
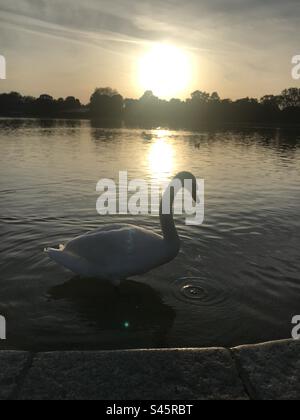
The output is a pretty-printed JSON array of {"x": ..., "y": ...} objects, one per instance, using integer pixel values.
[{"x": 161, "y": 157}]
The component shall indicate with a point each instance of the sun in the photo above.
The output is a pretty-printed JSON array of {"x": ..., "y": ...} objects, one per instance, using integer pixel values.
[{"x": 166, "y": 70}]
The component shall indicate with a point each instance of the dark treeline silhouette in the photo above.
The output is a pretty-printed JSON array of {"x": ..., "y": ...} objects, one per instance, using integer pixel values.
[
  {"x": 107, "y": 106},
  {"x": 15, "y": 105}
]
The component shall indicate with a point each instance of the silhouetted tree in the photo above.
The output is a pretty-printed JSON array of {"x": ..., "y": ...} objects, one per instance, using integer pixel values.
[
  {"x": 200, "y": 97},
  {"x": 270, "y": 100},
  {"x": 290, "y": 98},
  {"x": 71, "y": 103},
  {"x": 215, "y": 97},
  {"x": 106, "y": 103}
]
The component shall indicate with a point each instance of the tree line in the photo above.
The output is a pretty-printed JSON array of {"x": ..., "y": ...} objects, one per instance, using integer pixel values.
[{"x": 107, "y": 105}]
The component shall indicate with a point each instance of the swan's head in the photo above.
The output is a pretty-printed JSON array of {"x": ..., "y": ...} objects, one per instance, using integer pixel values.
[{"x": 188, "y": 176}]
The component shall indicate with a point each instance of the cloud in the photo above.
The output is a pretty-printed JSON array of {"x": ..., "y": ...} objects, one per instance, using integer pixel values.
[
  {"x": 192, "y": 22},
  {"x": 74, "y": 23},
  {"x": 68, "y": 33}
]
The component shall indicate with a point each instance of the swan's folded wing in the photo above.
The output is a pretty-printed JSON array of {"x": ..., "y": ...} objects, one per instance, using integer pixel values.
[{"x": 113, "y": 246}]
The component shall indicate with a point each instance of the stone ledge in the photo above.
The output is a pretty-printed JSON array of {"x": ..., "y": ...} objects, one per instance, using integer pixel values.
[
  {"x": 134, "y": 375},
  {"x": 271, "y": 369},
  {"x": 12, "y": 367},
  {"x": 268, "y": 371}
]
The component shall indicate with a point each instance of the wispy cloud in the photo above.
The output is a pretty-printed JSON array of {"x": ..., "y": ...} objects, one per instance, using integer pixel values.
[
  {"x": 193, "y": 22},
  {"x": 100, "y": 38}
]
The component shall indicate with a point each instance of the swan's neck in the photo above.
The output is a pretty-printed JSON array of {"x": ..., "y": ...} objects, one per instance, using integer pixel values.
[
  {"x": 167, "y": 217},
  {"x": 166, "y": 209}
]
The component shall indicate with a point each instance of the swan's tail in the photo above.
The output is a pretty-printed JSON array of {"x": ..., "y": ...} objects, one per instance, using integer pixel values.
[
  {"x": 68, "y": 260},
  {"x": 56, "y": 254}
]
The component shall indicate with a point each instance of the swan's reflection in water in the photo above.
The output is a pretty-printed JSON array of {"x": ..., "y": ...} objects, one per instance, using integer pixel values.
[{"x": 133, "y": 315}]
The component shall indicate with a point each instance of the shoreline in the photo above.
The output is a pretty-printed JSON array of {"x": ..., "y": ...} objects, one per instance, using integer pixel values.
[
  {"x": 268, "y": 371},
  {"x": 115, "y": 124}
]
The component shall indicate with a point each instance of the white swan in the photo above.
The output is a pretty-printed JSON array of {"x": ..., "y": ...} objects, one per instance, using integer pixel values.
[{"x": 119, "y": 251}]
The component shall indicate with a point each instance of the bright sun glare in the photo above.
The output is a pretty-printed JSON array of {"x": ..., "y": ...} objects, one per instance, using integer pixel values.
[
  {"x": 161, "y": 158},
  {"x": 166, "y": 70}
]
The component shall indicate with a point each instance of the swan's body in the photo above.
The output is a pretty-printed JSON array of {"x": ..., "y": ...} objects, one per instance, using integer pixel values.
[
  {"x": 119, "y": 251},
  {"x": 114, "y": 253}
]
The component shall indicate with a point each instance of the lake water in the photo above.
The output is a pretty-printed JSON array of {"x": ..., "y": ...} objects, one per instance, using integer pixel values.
[{"x": 244, "y": 258}]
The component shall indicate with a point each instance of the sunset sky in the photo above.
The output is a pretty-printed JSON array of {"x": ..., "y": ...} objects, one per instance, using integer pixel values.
[{"x": 68, "y": 47}]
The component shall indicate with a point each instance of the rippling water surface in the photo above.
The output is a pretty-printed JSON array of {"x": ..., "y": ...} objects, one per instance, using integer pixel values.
[{"x": 235, "y": 281}]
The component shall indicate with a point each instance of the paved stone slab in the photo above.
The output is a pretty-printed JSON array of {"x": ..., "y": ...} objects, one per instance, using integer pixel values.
[
  {"x": 273, "y": 369},
  {"x": 12, "y": 366},
  {"x": 134, "y": 375}
]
